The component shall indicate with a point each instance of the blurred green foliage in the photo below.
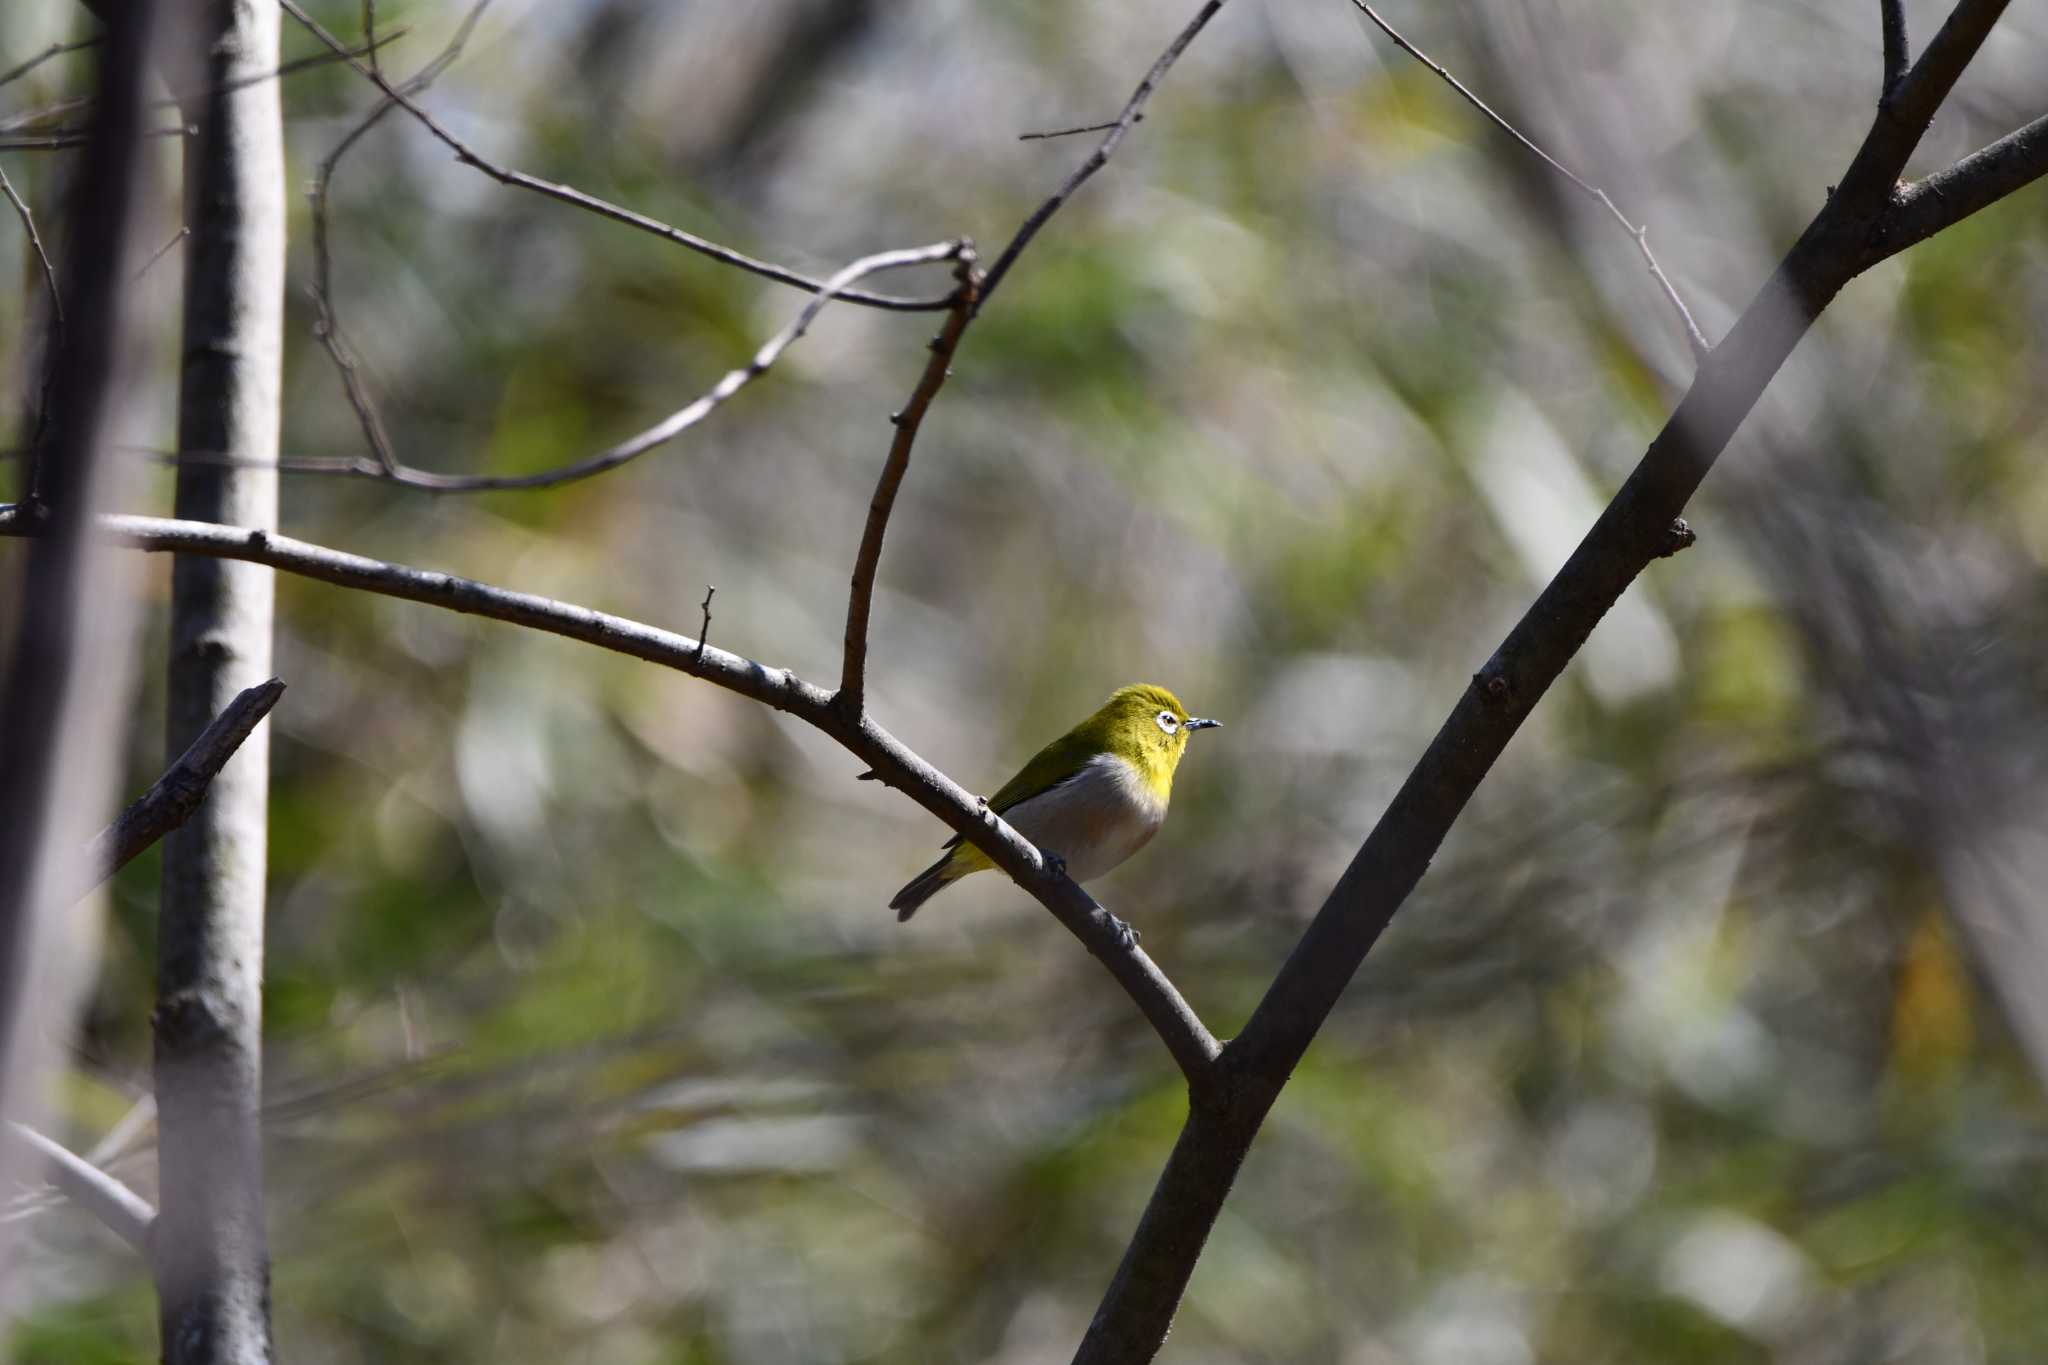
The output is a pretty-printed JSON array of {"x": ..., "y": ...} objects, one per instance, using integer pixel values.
[{"x": 589, "y": 1036}]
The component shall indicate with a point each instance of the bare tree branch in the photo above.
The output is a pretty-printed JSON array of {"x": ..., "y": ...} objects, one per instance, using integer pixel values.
[
  {"x": 662, "y": 432},
  {"x": 15, "y": 73},
  {"x": 172, "y": 798},
  {"x": 1693, "y": 336},
  {"x": 894, "y": 763},
  {"x": 35, "y": 242},
  {"x": 65, "y": 139},
  {"x": 860, "y": 597},
  {"x": 1892, "y": 18},
  {"x": 32, "y": 117},
  {"x": 326, "y": 322},
  {"x": 1097, "y": 159},
  {"x": 591, "y": 203},
  {"x": 1979, "y": 180},
  {"x": 166, "y": 249},
  {"x": 1638, "y": 526},
  {"x": 1070, "y": 132},
  {"x": 121, "y": 1210}
]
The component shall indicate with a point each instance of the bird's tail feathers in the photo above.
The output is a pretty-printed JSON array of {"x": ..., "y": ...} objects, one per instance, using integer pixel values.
[{"x": 925, "y": 885}]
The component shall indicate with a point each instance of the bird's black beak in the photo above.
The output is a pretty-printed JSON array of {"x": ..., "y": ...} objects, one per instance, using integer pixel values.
[{"x": 1197, "y": 723}]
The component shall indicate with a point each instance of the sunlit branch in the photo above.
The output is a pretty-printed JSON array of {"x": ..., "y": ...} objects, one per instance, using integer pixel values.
[
  {"x": 121, "y": 1210},
  {"x": 894, "y": 763}
]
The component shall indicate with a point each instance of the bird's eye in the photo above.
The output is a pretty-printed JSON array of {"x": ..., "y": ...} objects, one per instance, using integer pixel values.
[{"x": 1168, "y": 721}]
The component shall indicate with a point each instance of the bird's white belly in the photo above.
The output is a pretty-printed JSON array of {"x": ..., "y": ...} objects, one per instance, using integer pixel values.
[{"x": 1094, "y": 821}]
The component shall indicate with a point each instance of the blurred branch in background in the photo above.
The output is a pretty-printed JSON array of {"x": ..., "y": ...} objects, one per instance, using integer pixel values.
[
  {"x": 591, "y": 203},
  {"x": 1693, "y": 336},
  {"x": 123, "y": 1212},
  {"x": 66, "y": 655}
]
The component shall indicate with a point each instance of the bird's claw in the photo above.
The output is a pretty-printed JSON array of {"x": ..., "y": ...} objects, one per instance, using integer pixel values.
[
  {"x": 1125, "y": 934},
  {"x": 1056, "y": 864}
]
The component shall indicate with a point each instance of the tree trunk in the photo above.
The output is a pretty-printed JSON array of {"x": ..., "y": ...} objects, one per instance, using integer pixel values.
[{"x": 213, "y": 1271}]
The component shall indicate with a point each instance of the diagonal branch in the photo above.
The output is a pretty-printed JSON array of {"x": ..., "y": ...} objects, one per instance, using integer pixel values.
[
  {"x": 894, "y": 763},
  {"x": 172, "y": 798},
  {"x": 1693, "y": 336},
  {"x": 15, "y": 73},
  {"x": 1979, "y": 180},
  {"x": 1638, "y": 526},
  {"x": 1133, "y": 110},
  {"x": 590, "y": 203},
  {"x": 121, "y": 1210},
  {"x": 853, "y": 667}
]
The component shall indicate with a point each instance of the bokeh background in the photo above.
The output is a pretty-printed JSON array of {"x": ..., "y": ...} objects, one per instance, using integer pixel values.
[{"x": 1716, "y": 1033}]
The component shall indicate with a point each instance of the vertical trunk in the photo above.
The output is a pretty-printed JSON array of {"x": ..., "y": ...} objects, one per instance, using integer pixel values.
[
  {"x": 212, "y": 1261},
  {"x": 68, "y": 615}
]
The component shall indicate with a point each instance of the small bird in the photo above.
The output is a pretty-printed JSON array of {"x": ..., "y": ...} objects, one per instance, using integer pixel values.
[{"x": 1089, "y": 799}]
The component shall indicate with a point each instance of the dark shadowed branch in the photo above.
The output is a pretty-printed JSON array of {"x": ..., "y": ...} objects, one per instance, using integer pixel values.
[
  {"x": 1637, "y": 527},
  {"x": 1892, "y": 19},
  {"x": 172, "y": 798},
  {"x": 1693, "y": 336},
  {"x": 860, "y": 598}
]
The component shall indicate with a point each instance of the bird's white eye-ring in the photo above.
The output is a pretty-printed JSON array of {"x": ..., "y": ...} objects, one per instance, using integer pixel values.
[{"x": 1168, "y": 721}]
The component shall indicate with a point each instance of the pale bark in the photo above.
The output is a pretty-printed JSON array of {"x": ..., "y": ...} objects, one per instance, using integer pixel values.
[{"x": 212, "y": 1261}]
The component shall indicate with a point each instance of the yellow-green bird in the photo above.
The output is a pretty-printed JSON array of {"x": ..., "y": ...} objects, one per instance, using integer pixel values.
[{"x": 1091, "y": 798}]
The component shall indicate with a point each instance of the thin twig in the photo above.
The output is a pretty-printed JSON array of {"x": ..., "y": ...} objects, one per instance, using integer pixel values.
[
  {"x": 41, "y": 426},
  {"x": 326, "y": 324},
  {"x": 370, "y": 34},
  {"x": 35, "y": 242},
  {"x": 172, "y": 798},
  {"x": 590, "y": 203},
  {"x": 704, "y": 631},
  {"x": 1694, "y": 337},
  {"x": 684, "y": 418},
  {"x": 1069, "y": 132},
  {"x": 79, "y": 137},
  {"x": 14, "y": 74},
  {"x": 1192, "y": 1045},
  {"x": 121, "y": 1210},
  {"x": 180, "y": 235},
  {"x": 32, "y": 117},
  {"x": 1892, "y": 18},
  {"x": 1097, "y": 159},
  {"x": 860, "y": 596}
]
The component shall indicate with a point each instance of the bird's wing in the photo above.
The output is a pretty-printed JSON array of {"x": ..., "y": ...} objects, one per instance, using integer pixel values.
[{"x": 1057, "y": 763}]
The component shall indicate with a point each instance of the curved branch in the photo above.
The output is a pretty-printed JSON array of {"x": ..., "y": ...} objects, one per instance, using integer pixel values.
[
  {"x": 893, "y": 762},
  {"x": 590, "y": 203}
]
